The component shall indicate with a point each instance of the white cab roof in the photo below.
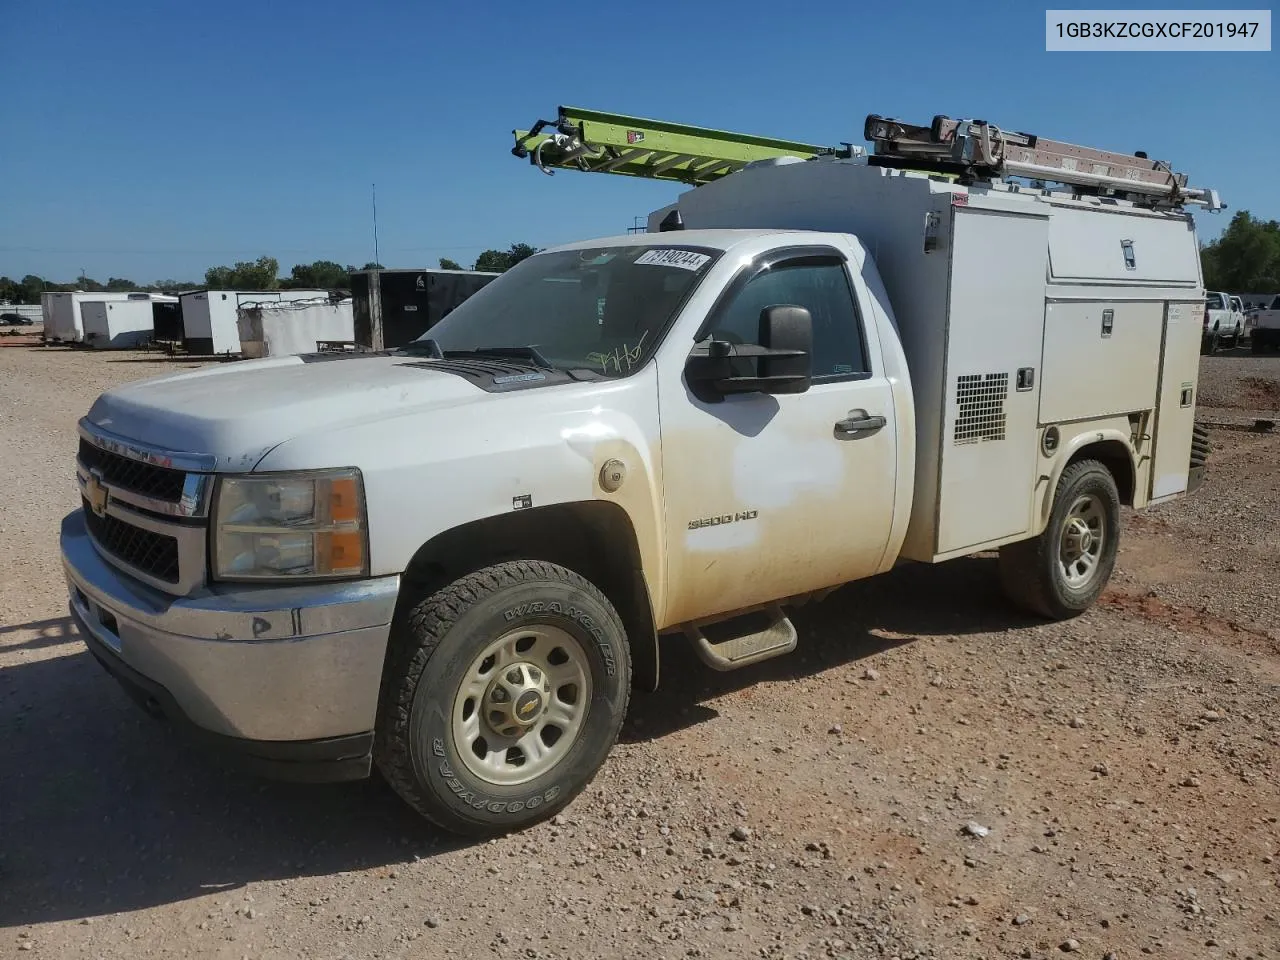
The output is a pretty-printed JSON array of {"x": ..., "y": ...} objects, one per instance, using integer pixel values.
[{"x": 720, "y": 239}]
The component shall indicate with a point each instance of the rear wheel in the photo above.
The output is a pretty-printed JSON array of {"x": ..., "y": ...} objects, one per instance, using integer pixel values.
[
  {"x": 503, "y": 695},
  {"x": 1060, "y": 573}
]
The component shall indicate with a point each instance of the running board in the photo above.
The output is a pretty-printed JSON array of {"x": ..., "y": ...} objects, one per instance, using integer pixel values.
[{"x": 743, "y": 639}]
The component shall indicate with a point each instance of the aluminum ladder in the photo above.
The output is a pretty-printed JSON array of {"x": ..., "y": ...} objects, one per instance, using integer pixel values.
[{"x": 979, "y": 150}]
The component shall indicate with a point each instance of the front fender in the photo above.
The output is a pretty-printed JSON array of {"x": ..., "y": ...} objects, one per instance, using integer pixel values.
[{"x": 441, "y": 470}]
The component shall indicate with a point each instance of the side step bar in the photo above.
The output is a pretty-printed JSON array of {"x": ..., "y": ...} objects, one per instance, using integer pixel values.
[{"x": 744, "y": 639}]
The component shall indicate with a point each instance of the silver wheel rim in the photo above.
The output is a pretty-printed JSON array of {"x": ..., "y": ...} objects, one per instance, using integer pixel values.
[
  {"x": 522, "y": 703},
  {"x": 1083, "y": 537}
]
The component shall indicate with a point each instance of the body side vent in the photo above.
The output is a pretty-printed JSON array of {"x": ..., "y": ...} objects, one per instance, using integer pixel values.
[{"x": 980, "y": 407}]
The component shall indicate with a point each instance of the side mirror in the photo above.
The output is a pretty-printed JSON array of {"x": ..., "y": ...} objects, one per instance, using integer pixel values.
[{"x": 780, "y": 363}]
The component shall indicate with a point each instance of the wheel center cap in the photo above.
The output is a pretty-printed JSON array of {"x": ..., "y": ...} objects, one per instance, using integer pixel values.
[
  {"x": 528, "y": 705},
  {"x": 1078, "y": 540},
  {"x": 516, "y": 698}
]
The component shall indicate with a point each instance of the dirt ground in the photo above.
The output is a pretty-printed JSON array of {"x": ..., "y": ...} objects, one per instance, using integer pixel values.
[{"x": 1124, "y": 768}]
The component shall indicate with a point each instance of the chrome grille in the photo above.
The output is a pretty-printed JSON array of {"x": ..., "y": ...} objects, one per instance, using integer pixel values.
[
  {"x": 151, "y": 553},
  {"x": 145, "y": 479},
  {"x": 146, "y": 509}
]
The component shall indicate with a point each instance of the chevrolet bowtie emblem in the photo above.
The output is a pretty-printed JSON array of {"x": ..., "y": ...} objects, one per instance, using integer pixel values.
[{"x": 96, "y": 494}]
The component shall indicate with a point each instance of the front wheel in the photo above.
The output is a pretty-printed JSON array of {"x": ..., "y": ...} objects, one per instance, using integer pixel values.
[
  {"x": 503, "y": 695},
  {"x": 1060, "y": 573}
]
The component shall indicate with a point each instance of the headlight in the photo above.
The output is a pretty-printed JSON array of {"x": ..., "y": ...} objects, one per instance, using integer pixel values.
[{"x": 282, "y": 526}]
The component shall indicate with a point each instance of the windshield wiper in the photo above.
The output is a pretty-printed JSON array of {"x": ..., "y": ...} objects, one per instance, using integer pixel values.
[{"x": 428, "y": 346}]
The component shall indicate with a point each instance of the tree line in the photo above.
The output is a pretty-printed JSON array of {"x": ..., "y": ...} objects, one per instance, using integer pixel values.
[
  {"x": 1246, "y": 258},
  {"x": 260, "y": 274}
]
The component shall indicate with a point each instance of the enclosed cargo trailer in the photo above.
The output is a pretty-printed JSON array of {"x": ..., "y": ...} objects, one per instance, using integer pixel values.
[
  {"x": 209, "y": 317},
  {"x": 63, "y": 322},
  {"x": 286, "y": 329},
  {"x": 392, "y": 307},
  {"x": 120, "y": 324},
  {"x": 166, "y": 316}
]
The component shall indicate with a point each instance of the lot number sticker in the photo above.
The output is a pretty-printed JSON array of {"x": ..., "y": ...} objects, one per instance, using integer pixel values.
[{"x": 684, "y": 259}]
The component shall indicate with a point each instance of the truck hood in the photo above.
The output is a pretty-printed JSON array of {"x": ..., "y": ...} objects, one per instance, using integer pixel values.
[{"x": 237, "y": 412}]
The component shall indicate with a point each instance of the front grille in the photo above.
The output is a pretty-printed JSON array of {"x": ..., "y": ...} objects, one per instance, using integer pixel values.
[
  {"x": 151, "y": 553},
  {"x": 159, "y": 483}
]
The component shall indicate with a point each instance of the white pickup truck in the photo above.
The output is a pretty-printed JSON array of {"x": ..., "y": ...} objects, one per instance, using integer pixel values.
[
  {"x": 1266, "y": 328},
  {"x": 454, "y": 559},
  {"x": 1222, "y": 320}
]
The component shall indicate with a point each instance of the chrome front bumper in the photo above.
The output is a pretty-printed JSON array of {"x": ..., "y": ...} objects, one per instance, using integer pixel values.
[{"x": 250, "y": 664}]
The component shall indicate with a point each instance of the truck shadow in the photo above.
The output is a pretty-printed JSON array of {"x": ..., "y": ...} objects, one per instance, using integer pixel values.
[
  {"x": 859, "y": 620},
  {"x": 47, "y": 633},
  {"x": 104, "y": 810}
]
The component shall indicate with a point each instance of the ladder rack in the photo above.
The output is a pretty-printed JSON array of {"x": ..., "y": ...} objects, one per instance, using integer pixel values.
[
  {"x": 597, "y": 142},
  {"x": 594, "y": 141},
  {"x": 978, "y": 150}
]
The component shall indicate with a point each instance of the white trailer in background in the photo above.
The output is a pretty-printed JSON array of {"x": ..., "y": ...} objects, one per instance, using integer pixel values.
[
  {"x": 299, "y": 326},
  {"x": 63, "y": 322},
  {"x": 209, "y": 317},
  {"x": 120, "y": 324}
]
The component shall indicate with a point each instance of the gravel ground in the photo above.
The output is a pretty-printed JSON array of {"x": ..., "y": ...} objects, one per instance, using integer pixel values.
[{"x": 921, "y": 779}]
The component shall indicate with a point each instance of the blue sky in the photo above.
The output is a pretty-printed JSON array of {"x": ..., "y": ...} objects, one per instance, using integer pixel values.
[{"x": 151, "y": 140}]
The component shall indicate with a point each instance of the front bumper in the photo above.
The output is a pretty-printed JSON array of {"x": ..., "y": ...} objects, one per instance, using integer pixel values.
[{"x": 286, "y": 678}]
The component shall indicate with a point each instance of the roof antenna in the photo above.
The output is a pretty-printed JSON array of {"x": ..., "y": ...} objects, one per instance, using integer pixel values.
[{"x": 672, "y": 221}]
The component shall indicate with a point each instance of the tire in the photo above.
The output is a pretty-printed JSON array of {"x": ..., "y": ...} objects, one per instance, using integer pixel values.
[
  {"x": 1255, "y": 345},
  {"x": 1034, "y": 573},
  {"x": 439, "y": 648}
]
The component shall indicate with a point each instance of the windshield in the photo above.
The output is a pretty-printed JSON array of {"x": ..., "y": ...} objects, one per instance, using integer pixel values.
[{"x": 603, "y": 309}]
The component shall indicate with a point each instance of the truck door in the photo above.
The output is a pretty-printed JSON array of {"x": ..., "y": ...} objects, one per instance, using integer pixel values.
[{"x": 772, "y": 496}]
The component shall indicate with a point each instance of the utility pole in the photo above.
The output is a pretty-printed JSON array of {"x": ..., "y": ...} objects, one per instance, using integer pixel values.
[{"x": 375, "y": 224}]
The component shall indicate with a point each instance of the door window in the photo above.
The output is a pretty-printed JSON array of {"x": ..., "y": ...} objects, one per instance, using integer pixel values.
[{"x": 822, "y": 288}]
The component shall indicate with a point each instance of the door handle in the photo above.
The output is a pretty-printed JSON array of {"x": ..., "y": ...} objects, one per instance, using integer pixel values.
[{"x": 859, "y": 422}]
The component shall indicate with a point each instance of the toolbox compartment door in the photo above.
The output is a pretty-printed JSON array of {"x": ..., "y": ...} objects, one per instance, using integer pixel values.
[{"x": 1176, "y": 412}]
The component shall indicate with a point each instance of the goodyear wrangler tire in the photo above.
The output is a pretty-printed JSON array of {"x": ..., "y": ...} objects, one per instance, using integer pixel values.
[
  {"x": 1060, "y": 573},
  {"x": 502, "y": 696}
]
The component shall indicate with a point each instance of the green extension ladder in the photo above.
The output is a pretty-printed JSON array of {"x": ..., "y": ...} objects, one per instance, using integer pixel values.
[{"x": 597, "y": 142}]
